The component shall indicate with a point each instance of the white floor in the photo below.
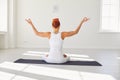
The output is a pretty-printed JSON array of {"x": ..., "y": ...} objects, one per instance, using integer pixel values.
[{"x": 110, "y": 59}]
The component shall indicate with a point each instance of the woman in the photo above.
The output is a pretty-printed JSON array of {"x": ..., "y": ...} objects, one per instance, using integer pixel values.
[{"x": 56, "y": 40}]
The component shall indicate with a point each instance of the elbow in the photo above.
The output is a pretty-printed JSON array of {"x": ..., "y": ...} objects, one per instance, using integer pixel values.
[
  {"x": 76, "y": 32},
  {"x": 36, "y": 33}
]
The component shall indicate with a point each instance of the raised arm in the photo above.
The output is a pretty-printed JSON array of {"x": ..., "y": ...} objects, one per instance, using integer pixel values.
[
  {"x": 41, "y": 34},
  {"x": 71, "y": 33}
]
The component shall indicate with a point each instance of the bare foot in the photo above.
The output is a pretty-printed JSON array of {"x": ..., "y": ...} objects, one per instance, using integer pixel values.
[{"x": 65, "y": 55}]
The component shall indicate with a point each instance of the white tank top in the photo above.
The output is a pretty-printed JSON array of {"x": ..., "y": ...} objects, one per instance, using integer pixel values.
[{"x": 56, "y": 44}]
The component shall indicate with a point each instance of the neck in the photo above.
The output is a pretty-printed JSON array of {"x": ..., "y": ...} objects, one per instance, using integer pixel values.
[{"x": 56, "y": 32}]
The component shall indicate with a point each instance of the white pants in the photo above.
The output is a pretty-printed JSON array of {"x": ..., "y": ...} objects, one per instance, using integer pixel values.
[{"x": 55, "y": 60}]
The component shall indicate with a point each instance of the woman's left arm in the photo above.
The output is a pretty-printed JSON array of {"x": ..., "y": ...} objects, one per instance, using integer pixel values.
[
  {"x": 41, "y": 34},
  {"x": 71, "y": 33}
]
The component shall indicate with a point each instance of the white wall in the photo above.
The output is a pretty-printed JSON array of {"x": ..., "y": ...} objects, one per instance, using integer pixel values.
[
  {"x": 2, "y": 39},
  {"x": 70, "y": 13}
]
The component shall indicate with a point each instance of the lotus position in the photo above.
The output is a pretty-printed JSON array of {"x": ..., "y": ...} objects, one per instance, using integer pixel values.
[{"x": 56, "y": 39}]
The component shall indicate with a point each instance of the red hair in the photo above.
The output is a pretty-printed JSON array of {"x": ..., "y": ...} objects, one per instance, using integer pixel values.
[{"x": 56, "y": 23}]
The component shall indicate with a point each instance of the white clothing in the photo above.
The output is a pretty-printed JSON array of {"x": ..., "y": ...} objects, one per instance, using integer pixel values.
[{"x": 55, "y": 54}]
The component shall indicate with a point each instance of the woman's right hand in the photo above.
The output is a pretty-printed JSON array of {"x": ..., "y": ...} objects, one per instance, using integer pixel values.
[{"x": 29, "y": 21}]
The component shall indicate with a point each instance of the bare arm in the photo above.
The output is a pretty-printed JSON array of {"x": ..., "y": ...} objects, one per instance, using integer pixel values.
[
  {"x": 71, "y": 33},
  {"x": 41, "y": 34}
]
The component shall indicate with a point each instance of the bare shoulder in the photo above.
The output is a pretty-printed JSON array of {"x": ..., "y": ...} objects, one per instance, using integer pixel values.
[
  {"x": 63, "y": 34},
  {"x": 68, "y": 34}
]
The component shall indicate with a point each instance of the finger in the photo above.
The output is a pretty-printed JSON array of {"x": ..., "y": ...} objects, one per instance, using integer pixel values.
[
  {"x": 29, "y": 19},
  {"x": 26, "y": 19},
  {"x": 87, "y": 18}
]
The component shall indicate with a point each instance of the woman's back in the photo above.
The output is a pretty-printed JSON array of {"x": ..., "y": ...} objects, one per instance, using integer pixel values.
[
  {"x": 55, "y": 54},
  {"x": 55, "y": 43}
]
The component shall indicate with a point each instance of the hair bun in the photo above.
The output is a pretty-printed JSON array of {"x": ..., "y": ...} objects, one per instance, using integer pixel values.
[{"x": 56, "y": 22}]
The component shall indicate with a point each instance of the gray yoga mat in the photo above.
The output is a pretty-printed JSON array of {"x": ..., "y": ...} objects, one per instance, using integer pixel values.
[{"x": 80, "y": 63}]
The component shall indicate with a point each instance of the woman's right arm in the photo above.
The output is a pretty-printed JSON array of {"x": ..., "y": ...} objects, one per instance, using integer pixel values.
[{"x": 41, "y": 34}]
